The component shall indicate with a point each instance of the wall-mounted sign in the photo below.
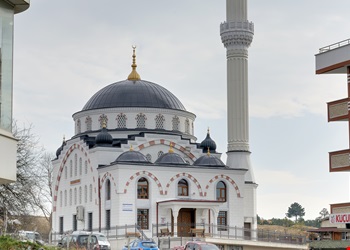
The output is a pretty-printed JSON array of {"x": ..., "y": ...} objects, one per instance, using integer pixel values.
[
  {"x": 339, "y": 218},
  {"x": 127, "y": 207}
]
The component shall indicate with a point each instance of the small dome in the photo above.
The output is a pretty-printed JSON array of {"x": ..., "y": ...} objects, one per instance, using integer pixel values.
[
  {"x": 132, "y": 157},
  {"x": 171, "y": 159},
  {"x": 208, "y": 143},
  {"x": 59, "y": 150},
  {"x": 209, "y": 160},
  {"x": 104, "y": 138}
]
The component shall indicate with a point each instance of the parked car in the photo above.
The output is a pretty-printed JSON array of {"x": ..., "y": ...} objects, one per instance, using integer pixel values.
[
  {"x": 31, "y": 236},
  {"x": 79, "y": 239},
  {"x": 197, "y": 245},
  {"x": 141, "y": 245}
]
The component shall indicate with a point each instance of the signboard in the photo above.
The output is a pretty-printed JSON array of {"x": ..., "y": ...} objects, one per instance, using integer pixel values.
[
  {"x": 127, "y": 207},
  {"x": 339, "y": 218}
]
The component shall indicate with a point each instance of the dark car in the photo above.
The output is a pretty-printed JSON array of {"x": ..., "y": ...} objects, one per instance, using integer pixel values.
[
  {"x": 197, "y": 245},
  {"x": 79, "y": 240},
  {"x": 141, "y": 245}
]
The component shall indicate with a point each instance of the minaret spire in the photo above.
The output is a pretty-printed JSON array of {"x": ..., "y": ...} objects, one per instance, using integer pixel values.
[
  {"x": 236, "y": 35},
  {"x": 134, "y": 76}
]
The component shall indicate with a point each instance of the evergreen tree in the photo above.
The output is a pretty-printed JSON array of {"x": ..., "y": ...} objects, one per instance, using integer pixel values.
[{"x": 296, "y": 210}]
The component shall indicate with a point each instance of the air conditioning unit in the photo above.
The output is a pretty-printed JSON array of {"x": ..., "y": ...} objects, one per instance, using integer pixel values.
[{"x": 80, "y": 213}]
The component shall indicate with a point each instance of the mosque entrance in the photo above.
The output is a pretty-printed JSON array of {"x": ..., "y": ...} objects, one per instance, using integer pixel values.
[{"x": 185, "y": 220}]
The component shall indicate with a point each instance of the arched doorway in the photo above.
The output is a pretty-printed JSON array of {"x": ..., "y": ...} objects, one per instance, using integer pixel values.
[{"x": 185, "y": 220}]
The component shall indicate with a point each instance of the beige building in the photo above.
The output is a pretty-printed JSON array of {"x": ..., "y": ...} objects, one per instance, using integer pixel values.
[{"x": 8, "y": 144}]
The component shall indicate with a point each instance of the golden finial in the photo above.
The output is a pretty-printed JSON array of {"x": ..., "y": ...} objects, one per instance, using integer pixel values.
[
  {"x": 131, "y": 149},
  {"x": 104, "y": 124},
  {"x": 134, "y": 76},
  {"x": 208, "y": 152},
  {"x": 208, "y": 131},
  {"x": 171, "y": 150}
]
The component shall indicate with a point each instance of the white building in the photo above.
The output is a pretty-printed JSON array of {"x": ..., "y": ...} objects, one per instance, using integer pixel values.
[
  {"x": 8, "y": 144},
  {"x": 134, "y": 158}
]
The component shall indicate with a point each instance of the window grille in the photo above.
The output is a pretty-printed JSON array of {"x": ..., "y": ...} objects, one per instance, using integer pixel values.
[
  {"x": 159, "y": 121},
  {"x": 141, "y": 120},
  {"x": 176, "y": 122},
  {"x": 88, "y": 122},
  {"x": 121, "y": 120}
]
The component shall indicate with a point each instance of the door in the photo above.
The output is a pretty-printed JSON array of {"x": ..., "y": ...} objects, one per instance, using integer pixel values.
[{"x": 185, "y": 221}]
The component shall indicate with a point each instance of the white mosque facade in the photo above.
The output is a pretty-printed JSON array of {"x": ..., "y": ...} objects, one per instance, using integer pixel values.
[{"x": 135, "y": 160}]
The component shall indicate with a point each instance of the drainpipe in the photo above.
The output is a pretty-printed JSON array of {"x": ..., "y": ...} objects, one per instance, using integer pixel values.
[
  {"x": 157, "y": 217},
  {"x": 99, "y": 205}
]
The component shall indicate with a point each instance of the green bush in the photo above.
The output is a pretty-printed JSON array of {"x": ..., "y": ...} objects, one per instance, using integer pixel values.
[{"x": 8, "y": 243}]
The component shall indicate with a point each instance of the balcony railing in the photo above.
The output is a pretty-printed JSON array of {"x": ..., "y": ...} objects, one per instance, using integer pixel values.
[{"x": 334, "y": 46}]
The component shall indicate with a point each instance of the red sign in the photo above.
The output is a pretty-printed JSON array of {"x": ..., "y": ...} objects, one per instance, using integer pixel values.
[{"x": 339, "y": 218}]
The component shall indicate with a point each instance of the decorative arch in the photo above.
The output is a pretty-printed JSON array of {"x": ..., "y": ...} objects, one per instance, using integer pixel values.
[
  {"x": 111, "y": 178},
  {"x": 61, "y": 168},
  {"x": 147, "y": 174},
  {"x": 223, "y": 177},
  {"x": 168, "y": 143},
  {"x": 190, "y": 177}
]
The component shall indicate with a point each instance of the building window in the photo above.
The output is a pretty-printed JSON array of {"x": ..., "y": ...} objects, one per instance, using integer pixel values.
[
  {"x": 192, "y": 128},
  {"x": 108, "y": 219},
  {"x": 86, "y": 167},
  {"x": 142, "y": 188},
  {"x": 141, "y": 120},
  {"x": 160, "y": 153},
  {"x": 75, "y": 226},
  {"x": 75, "y": 196},
  {"x": 90, "y": 222},
  {"x": 78, "y": 126},
  {"x": 182, "y": 188},
  {"x": 80, "y": 195},
  {"x": 222, "y": 221},
  {"x": 121, "y": 120},
  {"x": 75, "y": 165},
  {"x": 71, "y": 168},
  {"x": 221, "y": 191},
  {"x": 80, "y": 166},
  {"x": 187, "y": 126},
  {"x": 88, "y": 122},
  {"x": 149, "y": 157},
  {"x": 70, "y": 197},
  {"x": 90, "y": 191},
  {"x": 103, "y": 120},
  {"x": 176, "y": 122},
  {"x": 65, "y": 198},
  {"x": 61, "y": 198},
  {"x": 142, "y": 218},
  {"x": 85, "y": 194},
  {"x": 159, "y": 121},
  {"x": 61, "y": 225},
  {"x": 108, "y": 190}
]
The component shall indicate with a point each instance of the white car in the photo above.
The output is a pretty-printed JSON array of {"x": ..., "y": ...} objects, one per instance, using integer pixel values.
[
  {"x": 31, "y": 236},
  {"x": 102, "y": 241}
]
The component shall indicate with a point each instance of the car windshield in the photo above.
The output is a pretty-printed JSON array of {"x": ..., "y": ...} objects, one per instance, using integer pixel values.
[
  {"x": 101, "y": 237},
  {"x": 209, "y": 247},
  {"x": 149, "y": 244},
  {"x": 33, "y": 236}
]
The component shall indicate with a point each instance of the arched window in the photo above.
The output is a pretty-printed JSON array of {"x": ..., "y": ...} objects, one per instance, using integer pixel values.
[
  {"x": 121, "y": 120},
  {"x": 71, "y": 168},
  {"x": 78, "y": 129},
  {"x": 103, "y": 120},
  {"x": 75, "y": 196},
  {"x": 160, "y": 153},
  {"x": 221, "y": 191},
  {"x": 176, "y": 122},
  {"x": 80, "y": 166},
  {"x": 85, "y": 194},
  {"x": 159, "y": 121},
  {"x": 80, "y": 195},
  {"x": 108, "y": 190},
  {"x": 192, "y": 128},
  {"x": 88, "y": 123},
  {"x": 70, "y": 197},
  {"x": 182, "y": 188},
  {"x": 141, "y": 120},
  {"x": 75, "y": 165},
  {"x": 149, "y": 157},
  {"x": 86, "y": 167},
  {"x": 90, "y": 191},
  {"x": 65, "y": 198},
  {"x": 142, "y": 188},
  {"x": 61, "y": 198},
  {"x": 187, "y": 126}
]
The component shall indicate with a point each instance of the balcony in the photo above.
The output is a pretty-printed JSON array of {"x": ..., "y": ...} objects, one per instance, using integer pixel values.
[
  {"x": 338, "y": 110},
  {"x": 339, "y": 161}
]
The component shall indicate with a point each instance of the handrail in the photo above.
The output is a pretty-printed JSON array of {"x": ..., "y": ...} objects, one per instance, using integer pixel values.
[{"x": 334, "y": 46}]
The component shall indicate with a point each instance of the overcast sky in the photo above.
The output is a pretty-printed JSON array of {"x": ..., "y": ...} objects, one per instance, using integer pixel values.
[{"x": 66, "y": 50}]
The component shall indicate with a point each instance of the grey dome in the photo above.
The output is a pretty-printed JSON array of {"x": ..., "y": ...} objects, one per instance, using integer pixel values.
[
  {"x": 129, "y": 93},
  {"x": 59, "y": 150},
  {"x": 104, "y": 138},
  {"x": 208, "y": 143},
  {"x": 170, "y": 159},
  {"x": 209, "y": 160},
  {"x": 132, "y": 157}
]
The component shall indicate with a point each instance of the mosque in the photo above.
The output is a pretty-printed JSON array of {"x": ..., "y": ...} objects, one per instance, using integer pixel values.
[{"x": 134, "y": 158}]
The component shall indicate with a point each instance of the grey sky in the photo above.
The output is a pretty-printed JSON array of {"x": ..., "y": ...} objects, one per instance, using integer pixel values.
[{"x": 66, "y": 51}]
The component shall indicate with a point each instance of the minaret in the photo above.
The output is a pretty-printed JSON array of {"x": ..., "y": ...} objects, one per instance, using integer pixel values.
[{"x": 237, "y": 34}]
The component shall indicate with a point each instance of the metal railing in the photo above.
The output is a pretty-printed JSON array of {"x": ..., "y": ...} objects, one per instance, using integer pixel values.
[{"x": 334, "y": 46}]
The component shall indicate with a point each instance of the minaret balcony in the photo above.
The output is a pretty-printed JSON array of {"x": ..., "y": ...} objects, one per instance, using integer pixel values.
[
  {"x": 237, "y": 33},
  {"x": 338, "y": 110},
  {"x": 339, "y": 161}
]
